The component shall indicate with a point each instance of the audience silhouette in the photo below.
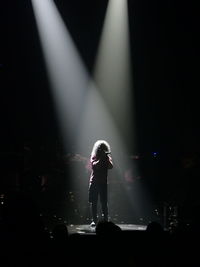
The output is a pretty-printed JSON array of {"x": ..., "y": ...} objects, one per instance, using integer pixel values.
[
  {"x": 25, "y": 241},
  {"x": 25, "y": 238}
]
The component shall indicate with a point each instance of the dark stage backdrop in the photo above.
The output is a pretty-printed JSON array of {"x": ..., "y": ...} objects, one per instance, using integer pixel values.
[{"x": 165, "y": 55}]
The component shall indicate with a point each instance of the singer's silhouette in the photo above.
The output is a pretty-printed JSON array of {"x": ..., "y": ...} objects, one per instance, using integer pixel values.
[{"x": 100, "y": 161}]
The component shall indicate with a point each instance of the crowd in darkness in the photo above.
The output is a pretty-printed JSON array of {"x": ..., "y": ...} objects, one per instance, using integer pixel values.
[{"x": 26, "y": 241}]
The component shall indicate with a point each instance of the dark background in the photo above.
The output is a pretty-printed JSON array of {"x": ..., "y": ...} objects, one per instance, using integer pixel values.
[
  {"x": 165, "y": 56},
  {"x": 164, "y": 50}
]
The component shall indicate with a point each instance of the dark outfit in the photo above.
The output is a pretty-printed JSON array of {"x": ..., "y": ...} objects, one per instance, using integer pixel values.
[{"x": 98, "y": 183}]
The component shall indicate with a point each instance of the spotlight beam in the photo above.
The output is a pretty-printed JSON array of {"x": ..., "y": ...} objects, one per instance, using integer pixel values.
[
  {"x": 112, "y": 72},
  {"x": 67, "y": 74}
]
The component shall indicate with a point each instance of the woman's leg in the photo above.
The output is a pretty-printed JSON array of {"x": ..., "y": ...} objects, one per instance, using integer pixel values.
[
  {"x": 93, "y": 198},
  {"x": 104, "y": 201}
]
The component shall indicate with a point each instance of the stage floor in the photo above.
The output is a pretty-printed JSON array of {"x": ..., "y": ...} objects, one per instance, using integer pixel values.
[{"x": 86, "y": 228}]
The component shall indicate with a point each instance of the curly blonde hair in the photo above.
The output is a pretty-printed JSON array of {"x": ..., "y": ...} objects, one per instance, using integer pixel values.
[{"x": 100, "y": 145}]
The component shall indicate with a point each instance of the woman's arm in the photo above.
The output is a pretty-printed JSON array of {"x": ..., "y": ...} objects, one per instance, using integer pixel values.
[{"x": 102, "y": 162}]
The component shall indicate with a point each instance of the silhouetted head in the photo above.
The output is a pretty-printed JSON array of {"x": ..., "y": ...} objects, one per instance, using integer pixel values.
[
  {"x": 60, "y": 232},
  {"x": 105, "y": 228},
  {"x": 154, "y": 227}
]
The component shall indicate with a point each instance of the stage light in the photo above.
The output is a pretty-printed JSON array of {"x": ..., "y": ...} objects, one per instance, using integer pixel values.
[
  {"x": 82, "y": 113},
  {"x": 91, "y": 108},
  {"x": 67, "y": 74},
  {"x": 113, "y": 71}
]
